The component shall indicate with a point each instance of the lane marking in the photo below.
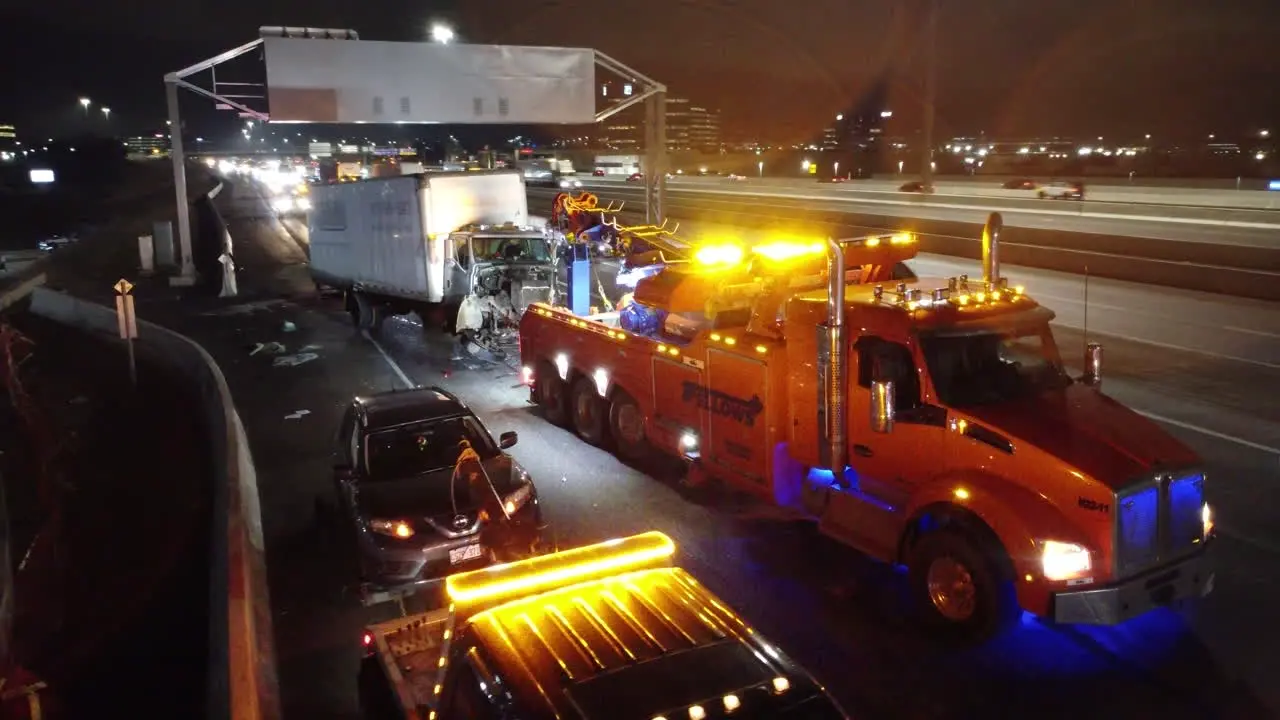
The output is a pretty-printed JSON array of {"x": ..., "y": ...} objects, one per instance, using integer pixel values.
[
  {"x": 1171, "y": 346},
  {"x": 1211, "y": 433},
  {"x": 1261, "y": 333},
  {"x": 392, "y": 363}
]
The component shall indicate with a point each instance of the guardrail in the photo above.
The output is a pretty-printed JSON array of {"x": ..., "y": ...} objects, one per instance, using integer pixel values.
[{"x": 242, "y": 683}]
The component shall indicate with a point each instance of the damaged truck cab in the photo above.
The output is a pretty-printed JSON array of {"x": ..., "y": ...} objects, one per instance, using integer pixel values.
[{"x": 930, "y": 423}]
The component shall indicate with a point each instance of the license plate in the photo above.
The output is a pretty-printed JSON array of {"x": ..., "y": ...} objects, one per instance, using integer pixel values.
[{"x": 464, "y": 553}]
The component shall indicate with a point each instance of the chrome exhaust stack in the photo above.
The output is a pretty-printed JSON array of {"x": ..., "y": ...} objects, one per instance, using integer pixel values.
[
  {"x": 832, "y": 364},
  {"x": 991, "y": 250}
]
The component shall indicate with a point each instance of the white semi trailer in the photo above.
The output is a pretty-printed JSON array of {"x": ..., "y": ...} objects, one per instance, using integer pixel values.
[{"x": 417, "y": 243}]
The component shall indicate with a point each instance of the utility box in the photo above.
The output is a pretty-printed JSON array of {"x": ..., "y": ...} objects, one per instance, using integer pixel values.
[
  {"x": 146, "y": 254},
  {"x": 162, "y": 240}
]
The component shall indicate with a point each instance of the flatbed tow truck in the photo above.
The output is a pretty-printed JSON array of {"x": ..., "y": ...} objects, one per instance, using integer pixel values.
[
  {"x": 604, "y": 632},
  {"x": 928, "y": 423}
]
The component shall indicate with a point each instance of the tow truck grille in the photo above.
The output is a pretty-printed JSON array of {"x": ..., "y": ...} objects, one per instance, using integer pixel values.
[{"x": 1158, "y": 521}]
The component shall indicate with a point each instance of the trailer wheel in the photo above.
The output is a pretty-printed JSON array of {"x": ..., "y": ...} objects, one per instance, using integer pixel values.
[
  {"x": 961, "y": 588},
  {"x": 626, "y": 425},
  {"x": 589, "y": 411},
  {"x": 551, "y": 394},
  {"x": 364, "y": 314}
]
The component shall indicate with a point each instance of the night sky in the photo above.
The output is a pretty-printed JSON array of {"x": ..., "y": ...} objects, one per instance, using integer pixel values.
[{"x": 778, "y": 70}]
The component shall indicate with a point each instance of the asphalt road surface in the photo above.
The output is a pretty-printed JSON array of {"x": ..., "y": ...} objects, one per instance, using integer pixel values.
[
  {"x": 1064, "y": 217},
  {"x": 1204, "y": 366}
]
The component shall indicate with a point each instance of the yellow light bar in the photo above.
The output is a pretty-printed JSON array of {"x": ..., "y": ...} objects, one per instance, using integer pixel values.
[
  {"x": 782, "y": 251},
  {"x": 904, "y": 238},
  {"x": 718, "y": 255},
  {"x": 546, "y": 572}
]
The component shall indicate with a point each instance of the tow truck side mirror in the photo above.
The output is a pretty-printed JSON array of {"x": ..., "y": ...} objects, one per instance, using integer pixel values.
[
  {"x": 882, "y": 410},
  {"x": 507, "y": 439},
  {"x": 1092, "y": 365}
]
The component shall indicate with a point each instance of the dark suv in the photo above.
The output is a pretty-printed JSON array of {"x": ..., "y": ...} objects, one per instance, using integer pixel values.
[{"x": 427, "y": 489}]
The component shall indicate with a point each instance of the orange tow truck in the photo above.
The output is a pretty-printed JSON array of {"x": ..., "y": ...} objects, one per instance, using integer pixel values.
[
  {"x": 929, "y": 423},
  {"x": 604, "y": 632}
]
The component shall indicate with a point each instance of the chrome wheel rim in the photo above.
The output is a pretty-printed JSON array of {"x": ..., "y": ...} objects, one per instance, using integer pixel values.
[
  {"x": 630, "y": 423},
  {"x": 951, "y": 589}
]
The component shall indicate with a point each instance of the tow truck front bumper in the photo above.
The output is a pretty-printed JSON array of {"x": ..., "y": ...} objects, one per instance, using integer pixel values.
[{"x": 1189, "y": 577}]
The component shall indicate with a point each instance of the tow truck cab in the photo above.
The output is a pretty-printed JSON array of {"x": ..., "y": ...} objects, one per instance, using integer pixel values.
[
  {"x": 923, "y": 422},
  {"x": 603, "y": 631}
]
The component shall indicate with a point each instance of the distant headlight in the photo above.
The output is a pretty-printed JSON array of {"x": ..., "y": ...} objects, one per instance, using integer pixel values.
[
  {"x": 1065, "y": 561},
  {"x": 303, "y": 203},
  {"x": 282, "y": 204}
]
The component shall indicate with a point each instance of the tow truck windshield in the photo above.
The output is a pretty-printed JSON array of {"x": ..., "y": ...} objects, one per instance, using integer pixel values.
[
  {"x": 423, "y": 447},
  {"x": 505, "y": 247},
  {"x": 989, "y": 368}
]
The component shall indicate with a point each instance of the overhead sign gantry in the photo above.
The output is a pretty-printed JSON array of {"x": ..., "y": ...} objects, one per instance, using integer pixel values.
[{"x": 319, "y": 75}]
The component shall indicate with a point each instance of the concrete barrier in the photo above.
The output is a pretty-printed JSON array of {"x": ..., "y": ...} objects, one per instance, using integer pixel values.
[
  {"x": 242, "y": 683},
  {"x": 18, "y": 292}
]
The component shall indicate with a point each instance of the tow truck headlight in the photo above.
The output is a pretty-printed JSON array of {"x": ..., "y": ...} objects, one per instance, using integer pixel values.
[
  {"x": 1065, "y": 561},
  {"x": 1206, "y": 519},
  {"x": 399, "y": 529}
]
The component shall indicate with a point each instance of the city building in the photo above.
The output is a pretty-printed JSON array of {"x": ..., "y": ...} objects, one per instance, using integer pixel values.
[
  {"x": 855, "y": 140},
  {"x": 690, "y": 125}
]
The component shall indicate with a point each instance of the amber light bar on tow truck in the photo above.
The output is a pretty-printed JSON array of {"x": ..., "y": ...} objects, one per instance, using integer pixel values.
[{"x": 498, "y": 583}]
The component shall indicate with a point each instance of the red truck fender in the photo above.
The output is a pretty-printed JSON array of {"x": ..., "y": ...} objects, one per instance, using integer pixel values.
[{"x": 1015, "y": 516}]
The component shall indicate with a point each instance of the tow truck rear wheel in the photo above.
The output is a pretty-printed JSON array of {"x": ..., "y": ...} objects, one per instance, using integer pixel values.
[
  {"x": 551, "y": 394},
  {"x": 960, "y": 587},
  {"x": 589, "y": 411},
  {"x": 626, "y": 425}
]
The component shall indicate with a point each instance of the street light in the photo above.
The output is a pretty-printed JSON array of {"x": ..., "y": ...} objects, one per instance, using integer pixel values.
[
  {"x": 106, "y": 112},
  {"x": 442, "y": 33},
  {"x": 760, "y": 168},
  {"x": 84, "y": 103}
]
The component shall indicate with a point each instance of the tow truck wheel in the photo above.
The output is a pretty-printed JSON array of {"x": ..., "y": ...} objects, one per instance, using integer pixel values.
[
  {"x": 960, "y": 588},
  {"x": 626, "y": 425},
  {"x": 588, "y": 411},
  {"x": 551, "y": 394}
]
